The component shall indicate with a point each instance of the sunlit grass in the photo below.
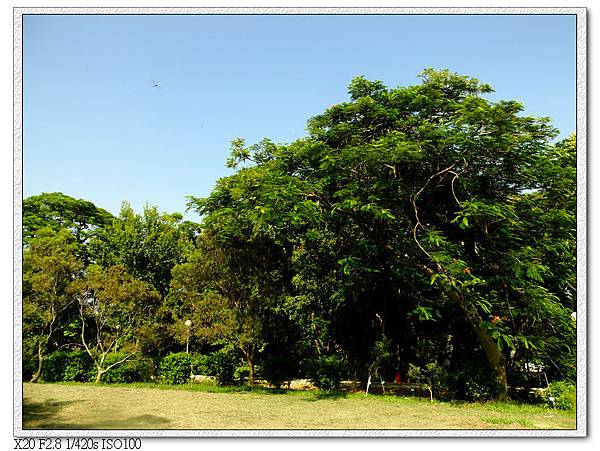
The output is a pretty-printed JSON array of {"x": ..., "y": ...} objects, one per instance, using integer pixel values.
[{"x": 205, "y": 406}]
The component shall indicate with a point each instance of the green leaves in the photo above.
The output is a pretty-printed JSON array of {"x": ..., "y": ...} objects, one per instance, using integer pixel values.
[
  {"x": 501, "y": 334},
  {"x": 423, "y": 313},
  {"x": 360, "y": 87},
  {"x": 526, "y": 263},
  {"x": 50, "y": 266},
  {"x": 258, "y": 153},
  {"x": 149, "y": 245}
]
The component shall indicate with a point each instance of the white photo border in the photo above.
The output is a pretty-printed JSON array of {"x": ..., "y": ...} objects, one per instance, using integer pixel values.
[{"x": 581, "y": 130}]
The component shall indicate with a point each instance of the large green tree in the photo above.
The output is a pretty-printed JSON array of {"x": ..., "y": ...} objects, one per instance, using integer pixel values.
[{"x": 411, "y": 204}]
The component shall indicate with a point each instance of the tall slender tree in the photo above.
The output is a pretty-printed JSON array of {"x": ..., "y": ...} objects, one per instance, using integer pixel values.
[{"x": 50, "y": 266}]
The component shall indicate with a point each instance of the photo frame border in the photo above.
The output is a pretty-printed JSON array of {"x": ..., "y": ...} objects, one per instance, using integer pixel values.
[{"x": 582, "y": 287}]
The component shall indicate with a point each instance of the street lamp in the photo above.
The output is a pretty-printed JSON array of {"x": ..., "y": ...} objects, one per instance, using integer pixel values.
[{"x": 188, "y": 324}]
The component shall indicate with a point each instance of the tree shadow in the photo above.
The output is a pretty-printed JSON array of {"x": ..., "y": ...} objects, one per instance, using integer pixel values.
[
  {"x": 42, "y": 415},
  {"x": 40, "y": 411},
  {"x": 139, "y": 422},
  {"x": 323, "y": 395}
]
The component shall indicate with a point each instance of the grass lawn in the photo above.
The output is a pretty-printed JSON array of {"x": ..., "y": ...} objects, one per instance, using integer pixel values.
[{"x": 147, "y": 406}]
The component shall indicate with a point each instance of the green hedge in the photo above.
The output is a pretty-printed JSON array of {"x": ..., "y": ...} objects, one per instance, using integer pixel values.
[
  {"x": 200, "y": 364},
  {"x": 77, "y": 366},
  {"x": 561, "y": 395},
  {"x": 134, "y": 370},
  {"x": 475, "y": 382},
  {"x": 72, "y": 366},
  {"x": 222, "y": 365},
  {"x": 175, "y": 368},
  {"x": 327, "y": 372}
]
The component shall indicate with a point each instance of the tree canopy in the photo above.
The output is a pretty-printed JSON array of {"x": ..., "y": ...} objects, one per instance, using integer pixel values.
[
  {"x": 147, "y": 244},
  {"x": 57, "y": 210},
  {"x": 415, "y": 204}
]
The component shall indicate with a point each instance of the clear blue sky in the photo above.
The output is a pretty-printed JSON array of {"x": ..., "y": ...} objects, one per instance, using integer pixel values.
[{"x": 96, "y": 128}]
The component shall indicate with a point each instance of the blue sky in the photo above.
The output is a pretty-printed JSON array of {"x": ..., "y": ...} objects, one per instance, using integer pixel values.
[{"x": 95, "y": 127}]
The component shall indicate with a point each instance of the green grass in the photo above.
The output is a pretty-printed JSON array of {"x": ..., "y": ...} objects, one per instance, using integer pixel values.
[{"x": 202, "y": 406}]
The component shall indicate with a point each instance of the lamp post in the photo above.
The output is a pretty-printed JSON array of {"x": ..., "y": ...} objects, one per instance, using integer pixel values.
[{"x": 188, "y": 324}]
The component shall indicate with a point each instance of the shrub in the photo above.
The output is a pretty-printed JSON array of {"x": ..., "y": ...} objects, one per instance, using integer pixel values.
[
  {"x": 29, "y": 367},
  {"x": 79, "y": 367},
  {"x": 433, "y": 377},
  {"x": 326, "y": 372},
  {"x": 29, "y": 359},
  {"x": 134, "y": 370},
  {"x": 200, "y": 364},
  {"x": 277, "y": 369},
  {"x": 175, "y": 368},
  {"x": 242, "y": 372},
  {"x": 222, "y": 364},
  {"x": 561, "y": 395},
  {"x": 54, "y": 366},
  {"x": 62, "y": 366},
  {"x": 475, "y": 382}
]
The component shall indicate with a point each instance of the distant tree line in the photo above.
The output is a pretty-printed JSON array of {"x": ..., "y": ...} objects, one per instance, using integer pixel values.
[{"x": 415, "y": 231}]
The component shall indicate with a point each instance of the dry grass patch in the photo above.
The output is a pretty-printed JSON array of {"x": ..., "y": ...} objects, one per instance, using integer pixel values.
[{"x": 87, "y": 406}]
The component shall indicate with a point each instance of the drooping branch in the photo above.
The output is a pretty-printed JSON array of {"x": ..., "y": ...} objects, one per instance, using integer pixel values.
[
  {"x": 416, "y": 210},
  {"x": 453, "y": 189}
]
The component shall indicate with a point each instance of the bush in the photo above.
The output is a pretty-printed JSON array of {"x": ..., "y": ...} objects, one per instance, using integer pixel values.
[
  {"x": 433, "y": 377},
  {"x": 175, "y": 368},
  {"x": 135, "y": 370},
  {"x": 326, "y": 372},
  {"x": 54, "y": 366},
  {"x": 475, "y": 382},
  {"x": 29, "y": 367},
  {"x": 72, "y": 366},
  {"x": 200, "y": 364},
  {"x": 561, "y": 395},
  {"x": 29, "y": 359},
  {"x": 79, "y": 367},
  {"x": 222, "y": 364},
  {"x": 279, "y": 369}
]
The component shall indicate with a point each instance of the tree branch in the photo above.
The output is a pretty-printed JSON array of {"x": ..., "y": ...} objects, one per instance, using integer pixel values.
[
  {"x": 127, "y": 357},
  {"x": 416, "y": 210},
  {"x": 83, "y": 332}
]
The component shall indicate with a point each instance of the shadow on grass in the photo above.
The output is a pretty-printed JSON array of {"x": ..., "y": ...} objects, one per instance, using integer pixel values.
[
  {"x": 324, "y": 395},
  {"x": 42, "y": 411},
  {"x": 245, "y": 388},
  {"x": 43, "y": 415},
  {"x": 139, "y": 422}
]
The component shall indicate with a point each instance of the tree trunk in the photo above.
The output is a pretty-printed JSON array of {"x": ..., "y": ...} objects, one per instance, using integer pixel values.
[
  {"x": 315, "y": 335},
  {"x": 41, "y": 358},
  {"x": 250, "y": 371},
  {"x": 99, "y": 375},
  {"x": 496, "y": 360},
  {"x": 249, "y": 354}
]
